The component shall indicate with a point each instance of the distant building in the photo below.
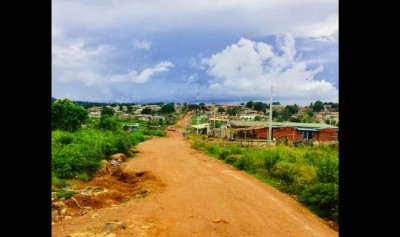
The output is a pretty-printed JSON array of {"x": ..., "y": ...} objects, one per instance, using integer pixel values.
[
  {"x": 130, "y": 127},
  {"x": 293, "y": 131}
]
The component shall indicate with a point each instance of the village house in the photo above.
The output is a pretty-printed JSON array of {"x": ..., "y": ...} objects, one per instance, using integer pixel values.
[{"x": 293, "y": 131}]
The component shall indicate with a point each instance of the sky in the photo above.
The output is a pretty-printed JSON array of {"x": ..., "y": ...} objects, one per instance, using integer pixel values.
[{"x": 221, "y": 51}]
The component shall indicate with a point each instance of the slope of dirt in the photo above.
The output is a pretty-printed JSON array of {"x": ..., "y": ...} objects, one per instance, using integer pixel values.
[{"x": 202, "y": 197}]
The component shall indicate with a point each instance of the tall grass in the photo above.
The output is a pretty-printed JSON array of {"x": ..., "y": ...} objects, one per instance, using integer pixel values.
[
  {"x": 309, "y": 173},
  {"x": 79, "y": 154}
]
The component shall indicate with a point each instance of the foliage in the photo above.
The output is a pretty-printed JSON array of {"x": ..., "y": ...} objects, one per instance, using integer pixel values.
[
  {"x": 322, "y": 198},
  {"x": 221, "y": 110},
  {"x": 81, "y": 156},
  {"x": 193, "y": 107},
  {"x": 61, "y": 193},
  {"x": 108, "y": 122},
  {"x": 168, "y": 108},
  {"x": 318, "y": 106},
  {"x": 233, "y": 111},
  {"x": 158, "y": 133},
  {"x": 311, "y": 173},
  {"x": 66, "y": 116},
  {"x": 129, "y": 109},
  {"x": 146, "y": 110},
  {"x": 107, "y": 111},
  {"x": 259, "y": 106},
  {"x": 250, "y": 104}
]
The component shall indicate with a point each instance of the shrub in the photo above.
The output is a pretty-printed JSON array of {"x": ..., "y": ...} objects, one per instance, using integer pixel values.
[
  {"x": 322, "y": 198},
  {"x": 224, "y": 154},
  {"x": 214, "y": 150},
  {"x": 158, "y": 133},
  {"x": 270, "y": 161}
]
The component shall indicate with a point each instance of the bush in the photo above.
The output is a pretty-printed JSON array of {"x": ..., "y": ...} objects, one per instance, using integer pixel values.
[
  {"x": 322, "y": 198},
  {"x": 270, "y": 161},
  {"x": 214, "y": 150},
  {"x": 108, "y": 122},
  {"x": 224, "y": 154},
  {"x": 158, "y": 133},
  {"x": 79, "y": 154}
]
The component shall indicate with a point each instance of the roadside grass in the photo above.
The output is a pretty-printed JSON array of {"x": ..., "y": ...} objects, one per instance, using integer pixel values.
[
  {"x": 308, "y": 174},
  {"x": 77, "y": 155}
]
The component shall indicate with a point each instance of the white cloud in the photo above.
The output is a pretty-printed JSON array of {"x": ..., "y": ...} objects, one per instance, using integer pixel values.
[
  {"x": 78, "y": 63},
  {"x": 145, "y": 75},
  {"x": 312, "y": 18},
  {"x": 146, "y": 45},
  {"x": 242, "y": 69}
]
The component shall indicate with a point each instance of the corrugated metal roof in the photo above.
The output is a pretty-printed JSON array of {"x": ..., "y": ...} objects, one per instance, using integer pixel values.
[{"x": 308, "y": 129}]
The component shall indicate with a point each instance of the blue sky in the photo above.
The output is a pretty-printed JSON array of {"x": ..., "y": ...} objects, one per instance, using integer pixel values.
[{"x": 228, "y": 50}]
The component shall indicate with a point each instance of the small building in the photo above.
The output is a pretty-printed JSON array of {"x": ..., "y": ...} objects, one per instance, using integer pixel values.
[
  {"x": 130, "y": 127},
  {"x": 293, "y": 131},
  {"x": 201, "y": 128}
]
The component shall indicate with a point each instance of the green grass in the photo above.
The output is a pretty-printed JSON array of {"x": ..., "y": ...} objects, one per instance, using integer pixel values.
[
  {"x": 309, "y": 173},
  {"x": 79, "y": 154},
  {"x": 61, "y": 193}
]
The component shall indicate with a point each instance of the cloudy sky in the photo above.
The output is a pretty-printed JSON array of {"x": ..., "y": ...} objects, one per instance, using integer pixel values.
[{"x": 207, "y": 50}]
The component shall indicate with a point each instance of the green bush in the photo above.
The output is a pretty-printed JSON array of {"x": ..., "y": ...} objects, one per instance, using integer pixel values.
[
  {"x": 224, "y": 154},
  {"x": 157, "y": 133},
  {"x": 108, "y": 122},
  {"x": 322, "y": 198},
  {"x": 79, "y": 154},
  {"x": 328, "y": 170},
  {"x": 270, "y": 161},
  {"x": 199, "y": 145},
  {"x": 214, "y": 150}
]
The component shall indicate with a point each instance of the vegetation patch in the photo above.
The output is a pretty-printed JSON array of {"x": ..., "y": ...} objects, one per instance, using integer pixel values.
[{"x": 309, "y": 174}]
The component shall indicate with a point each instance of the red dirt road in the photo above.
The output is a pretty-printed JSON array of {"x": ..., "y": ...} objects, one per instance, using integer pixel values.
[{"x": 202, "y": 196}]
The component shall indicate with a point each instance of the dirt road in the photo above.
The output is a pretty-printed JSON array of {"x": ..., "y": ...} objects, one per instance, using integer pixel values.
[{"x": 200, "y": 196}]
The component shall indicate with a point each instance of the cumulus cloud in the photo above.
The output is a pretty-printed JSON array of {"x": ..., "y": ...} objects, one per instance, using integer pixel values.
[
  {"x": 249, "y": 68},
  {"x": 75, "y": 62},
  {"x": 145, "y": 75},
  {"x": 78, "y": 63},
  {"x": 146, "y": 45}
]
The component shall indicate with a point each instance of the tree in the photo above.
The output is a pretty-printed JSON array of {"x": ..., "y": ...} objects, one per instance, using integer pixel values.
[
  {"x": 221, "y": 110},
  {"x": 293, "y": 109},
  {"x": 146, "y": 110},
  {"x": 108, "y": 122},
  {"x": 168, "y": 108},
  {"x": 276, "y": 103},
  {"x": 193, "y": 107},
  {"x": 67, "y": 116},
  {"x": 129, "y": 108},
  {"x": 233, "y": 111},
  {"x": 250, "y": 104},
  {"x": 120, "y": 107},
  {"x": 242, "y": 103},
  {"x": 318, "y": 106},
  {"x": 260, "y": 106},
  {"x": 107, "y": 111}
]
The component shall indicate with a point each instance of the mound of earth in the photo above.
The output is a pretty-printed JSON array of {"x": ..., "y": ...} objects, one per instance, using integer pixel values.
[{"x": 111, "y": 185}]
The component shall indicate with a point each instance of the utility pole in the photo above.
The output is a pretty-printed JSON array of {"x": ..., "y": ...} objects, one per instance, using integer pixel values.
[
  {"x": 270, "y": 118},
  {"x": 214, "y": 117}
]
